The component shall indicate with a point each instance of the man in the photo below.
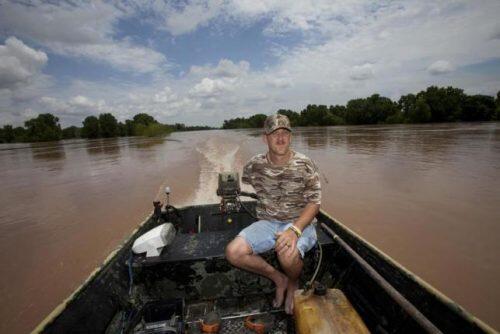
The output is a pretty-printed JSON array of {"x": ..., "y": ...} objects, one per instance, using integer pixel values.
[{"x": 289, "y": 195}]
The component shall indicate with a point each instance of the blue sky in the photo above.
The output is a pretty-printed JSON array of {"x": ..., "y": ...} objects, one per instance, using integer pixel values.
[{"x": 200, "y": 62}]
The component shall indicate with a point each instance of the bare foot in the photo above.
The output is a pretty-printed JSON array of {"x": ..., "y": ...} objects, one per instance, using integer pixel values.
[
  {"x": 281, "y": 285},
  {"x": 292, "y": 287}
]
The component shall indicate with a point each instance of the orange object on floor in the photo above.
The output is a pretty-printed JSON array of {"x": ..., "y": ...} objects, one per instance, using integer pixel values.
[
  {"x": 211, "y": 323},
  {"x": 259, "y": 326},
  {"x": 210, "y": 328}
]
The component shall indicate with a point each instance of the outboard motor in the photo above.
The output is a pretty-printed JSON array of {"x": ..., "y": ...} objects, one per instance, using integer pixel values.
[{"x": 229, "y": 191}]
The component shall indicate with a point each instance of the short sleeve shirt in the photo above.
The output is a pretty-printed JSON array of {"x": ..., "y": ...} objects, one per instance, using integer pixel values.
[{"x": 283, "y": 191}]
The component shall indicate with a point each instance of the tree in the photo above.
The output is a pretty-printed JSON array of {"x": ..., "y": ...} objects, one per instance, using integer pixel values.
[
  {"x": 256, "y": 121},
  {"x": 338, "y": 112},
  {"x": 372, "y": 110},
  {"x": 179, "y": 126},
  {"x": 497, "y": 102},
  {"x": 129, "y": 125},
  {"x": 415, "y": 110},
  {"x": 422, "y": 112},
  {"x": 122, "y": 129},
  {"x": 381, "y": 108},
  {"x": 235, "y": 123},
  {"x": 7, "y": 134},
  {"x": 156, "y": 130},
  {"x": 45, "y": 127},
  {"x": 407, "y": 104},
  {"x": 90, "y": 127},
  {"x": 20, "y": 134},
  {"x": 144, "y": 119},
  {"x": 356, "y": 112},
  {"x": 293, "y": 116},
  {"x": 331, "y": 119},
  {"x": 478, "y": 108},
  {"x": 396, "y": 118},
  {"x": 317, "y": 115},
  {"x": 70, "y": 132},
  {"x": 108, "y": 125},
  {"x": 445, "y": 103}
]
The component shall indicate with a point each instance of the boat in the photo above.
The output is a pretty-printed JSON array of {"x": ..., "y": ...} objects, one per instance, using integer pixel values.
[{"x": 191, "y": 288}]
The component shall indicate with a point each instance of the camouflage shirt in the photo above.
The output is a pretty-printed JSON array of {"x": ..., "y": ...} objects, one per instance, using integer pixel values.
[{"x": 283, "y": 191}]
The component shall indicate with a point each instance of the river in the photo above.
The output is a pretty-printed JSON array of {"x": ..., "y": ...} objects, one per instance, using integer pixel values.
[{"x": 427, "y": 195}]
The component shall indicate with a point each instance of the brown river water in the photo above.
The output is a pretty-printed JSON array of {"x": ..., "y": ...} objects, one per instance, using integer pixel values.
[{"x": 427, "y": 195}]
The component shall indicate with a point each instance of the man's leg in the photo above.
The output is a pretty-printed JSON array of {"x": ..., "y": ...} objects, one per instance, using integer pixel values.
[
  {"x": 240, "y": 254},
  {"x": 292, "y": 265}
]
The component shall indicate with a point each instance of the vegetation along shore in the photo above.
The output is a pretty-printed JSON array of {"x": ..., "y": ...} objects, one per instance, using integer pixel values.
[{"x": 435, "y": 104}]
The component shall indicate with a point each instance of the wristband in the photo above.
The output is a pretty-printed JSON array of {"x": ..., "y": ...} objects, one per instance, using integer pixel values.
[{"x": 295, "y": 230}]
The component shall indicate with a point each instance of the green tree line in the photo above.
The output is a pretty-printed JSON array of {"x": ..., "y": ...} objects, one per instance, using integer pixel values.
[
  {"x": 46, "y": 127},
  {"x": 435, "y": 104}
]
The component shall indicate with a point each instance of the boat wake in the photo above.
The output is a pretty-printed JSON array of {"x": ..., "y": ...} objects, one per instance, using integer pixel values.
[{"x": 218, "y": 155}]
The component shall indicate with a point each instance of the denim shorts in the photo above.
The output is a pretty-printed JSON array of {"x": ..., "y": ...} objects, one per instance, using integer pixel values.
[{"x": 261, "y": 236}]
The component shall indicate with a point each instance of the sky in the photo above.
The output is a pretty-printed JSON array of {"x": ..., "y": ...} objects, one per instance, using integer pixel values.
[{"x": 202, "y": 62}]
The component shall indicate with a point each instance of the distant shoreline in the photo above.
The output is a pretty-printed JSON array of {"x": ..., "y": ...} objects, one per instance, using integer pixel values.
[
  {"x": 434, "y": 105},
  {"x": 165, "y": 137}
]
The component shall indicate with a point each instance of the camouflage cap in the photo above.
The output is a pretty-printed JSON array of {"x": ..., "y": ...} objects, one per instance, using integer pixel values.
[{"x": 275, "y": 122}]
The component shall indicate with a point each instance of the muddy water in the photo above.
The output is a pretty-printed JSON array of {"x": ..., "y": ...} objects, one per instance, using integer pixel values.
[{"x": 426, "y": 195}]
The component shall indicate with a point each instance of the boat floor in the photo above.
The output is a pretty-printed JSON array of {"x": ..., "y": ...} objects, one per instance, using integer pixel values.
[{"x": 233, "y": 313}]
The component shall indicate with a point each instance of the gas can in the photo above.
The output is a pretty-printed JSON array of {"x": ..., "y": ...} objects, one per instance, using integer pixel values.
[{"x": 325, "y": 311}]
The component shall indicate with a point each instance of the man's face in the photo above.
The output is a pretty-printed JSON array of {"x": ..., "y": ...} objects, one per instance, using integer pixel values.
[{"x": 279, "y": 141}]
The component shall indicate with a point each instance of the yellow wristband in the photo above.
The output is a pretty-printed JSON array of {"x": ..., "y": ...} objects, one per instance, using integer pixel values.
[{"x": 295, "y": 230}]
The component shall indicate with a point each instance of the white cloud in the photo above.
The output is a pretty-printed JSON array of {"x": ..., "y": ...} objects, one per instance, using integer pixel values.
[
  {"x": 80, "y": 101},
  {"x": 495, "y": 33},
  {"x": 346, "y": 49},
  {"x": 210, "y": 88},
  {"x": 440, "y": 67},
  {"x": 196, "y": 13},
  {"x": 120, "y": 55},
  {"x": 279, "y": 82},
  {"x": 361, "y": 72},
  {"x": 164, "y": 96},
  {"x": 19, "y": 63},
  {"x": 83, "y": 30},
  {"x": 225, "y": 69},
  {"x": 75, "y": 106},
  {"x": 391, "y": 46},
  {"x": 283, "y": 15},
  {"x": 162, "y": 103}
]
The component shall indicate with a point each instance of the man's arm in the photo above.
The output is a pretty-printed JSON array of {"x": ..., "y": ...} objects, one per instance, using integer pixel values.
[{"x": 307, "y": 215}]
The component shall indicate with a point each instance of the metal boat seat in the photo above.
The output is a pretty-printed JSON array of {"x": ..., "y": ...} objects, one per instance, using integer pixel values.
[{"x": 202, "y": 246}]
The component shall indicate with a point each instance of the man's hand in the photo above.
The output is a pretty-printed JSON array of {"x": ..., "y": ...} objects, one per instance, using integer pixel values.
[{"x": 286, "y": 242}]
